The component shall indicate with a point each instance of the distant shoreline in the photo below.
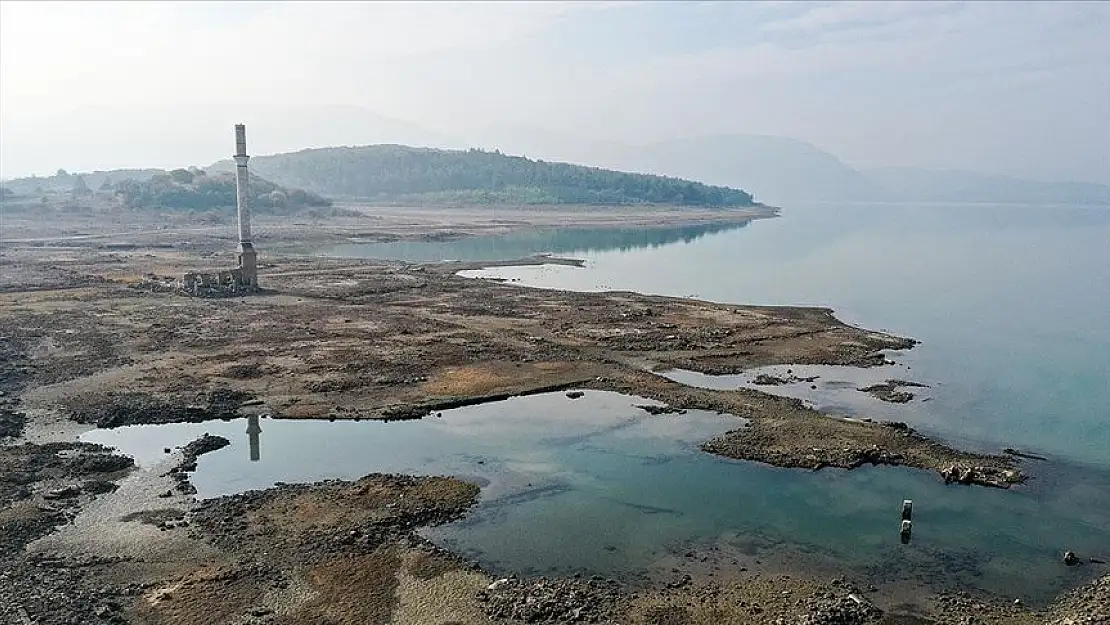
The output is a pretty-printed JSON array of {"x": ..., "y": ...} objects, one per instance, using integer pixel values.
[{"x": 374, "y": 224}]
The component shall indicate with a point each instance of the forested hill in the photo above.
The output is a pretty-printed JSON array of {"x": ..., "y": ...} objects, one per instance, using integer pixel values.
[
  {"x": 190, "y": 189},
  {"x": 394, "y": 173},
  {"x": 184, "y": 189}
]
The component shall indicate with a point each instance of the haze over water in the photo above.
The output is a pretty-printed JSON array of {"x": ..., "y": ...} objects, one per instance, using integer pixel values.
[{"x": 1011, "y": 305}]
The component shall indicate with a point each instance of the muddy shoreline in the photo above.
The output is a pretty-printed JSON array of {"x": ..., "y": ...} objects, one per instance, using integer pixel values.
[
  {"x": 342, "y": 339},
  {"x": 346, "y": 552}
]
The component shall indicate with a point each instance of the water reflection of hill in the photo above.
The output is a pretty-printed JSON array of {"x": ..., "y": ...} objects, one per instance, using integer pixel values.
[{"x": 520, "y": 244}]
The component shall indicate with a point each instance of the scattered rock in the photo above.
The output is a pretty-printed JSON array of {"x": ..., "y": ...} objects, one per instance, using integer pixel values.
[
  {"x": 982, "y": 475},
  {"x": 1070, "y": 559},
  {"x": 552, "y": 601}
]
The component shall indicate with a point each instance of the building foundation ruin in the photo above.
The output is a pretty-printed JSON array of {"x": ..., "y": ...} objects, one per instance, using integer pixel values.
[{"x": 244, "y": 278}]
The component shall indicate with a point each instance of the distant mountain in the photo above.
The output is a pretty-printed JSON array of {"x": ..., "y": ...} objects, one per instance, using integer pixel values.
[
  {"x": 781, "y": 171},
  {"x": 776, "y": 170},
  {"x": 963, "y": 186},
  {"x": 401, "y": 174}
]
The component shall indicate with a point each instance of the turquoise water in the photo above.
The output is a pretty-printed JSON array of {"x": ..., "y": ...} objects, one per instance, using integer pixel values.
[
  {"x": 596, "y": 485},
  {"x": 1011, "y": 304}
]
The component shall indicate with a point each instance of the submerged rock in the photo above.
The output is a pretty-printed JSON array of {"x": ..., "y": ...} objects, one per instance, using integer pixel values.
[
  {"x": 658, "y": 410},
  {"x": 764, "y": 379},
  {"x": 205, "y": 444}
]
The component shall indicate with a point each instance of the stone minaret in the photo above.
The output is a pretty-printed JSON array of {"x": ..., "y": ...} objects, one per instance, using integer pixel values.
[{"x": 248, "y": 260}]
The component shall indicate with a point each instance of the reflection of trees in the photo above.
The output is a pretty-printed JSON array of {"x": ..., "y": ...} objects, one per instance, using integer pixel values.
[
  {"x": 562, "y": 240},
  {"x": 530, "y": 242}
]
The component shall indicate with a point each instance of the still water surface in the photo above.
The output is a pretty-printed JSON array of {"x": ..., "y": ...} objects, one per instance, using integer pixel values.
[
  {"x": 1012, "y": 305},
  {"x": 524, "y": 243}
]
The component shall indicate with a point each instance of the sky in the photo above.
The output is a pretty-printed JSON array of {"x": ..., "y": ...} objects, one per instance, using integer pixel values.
[{"x": 1013, "y": 88}]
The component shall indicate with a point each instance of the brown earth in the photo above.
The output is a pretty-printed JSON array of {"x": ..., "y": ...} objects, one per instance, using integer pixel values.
[
  {"x": 363, "y": 340},
  {"x": 88, "y": 336}
]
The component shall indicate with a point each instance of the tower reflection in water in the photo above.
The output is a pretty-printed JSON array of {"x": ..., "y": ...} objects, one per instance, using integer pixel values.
[{"x": 253, "y": 430}]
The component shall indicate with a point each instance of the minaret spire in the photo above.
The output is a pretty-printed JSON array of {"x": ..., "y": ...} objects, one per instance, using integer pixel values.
[{"x": 247, "y": 256}]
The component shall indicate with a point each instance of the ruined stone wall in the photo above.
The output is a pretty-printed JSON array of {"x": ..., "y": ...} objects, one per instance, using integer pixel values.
[{"x": 222, "y": 283}]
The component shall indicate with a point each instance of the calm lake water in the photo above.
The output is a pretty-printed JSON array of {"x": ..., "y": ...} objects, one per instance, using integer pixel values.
[
  {"x": 523, "y": 243},
  {"x": 1012, "y": 305}
]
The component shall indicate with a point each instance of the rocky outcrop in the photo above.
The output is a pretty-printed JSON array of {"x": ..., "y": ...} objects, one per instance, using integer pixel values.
[
  {"x": 190, "y": 453},
  {"x": 888, "y": 391},
  {"x": 120, "y": 409},
  {"x": 11, "y": 423},
  {"x": 983, "y": 475}
]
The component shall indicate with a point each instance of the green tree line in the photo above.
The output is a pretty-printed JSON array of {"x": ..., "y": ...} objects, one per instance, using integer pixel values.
[
  {"x": 194, "y": 189},
  {"x": 400, "y": 173}
]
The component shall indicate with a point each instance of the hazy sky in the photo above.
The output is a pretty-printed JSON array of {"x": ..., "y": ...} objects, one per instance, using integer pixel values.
[{"x": 1019, "y": 88}]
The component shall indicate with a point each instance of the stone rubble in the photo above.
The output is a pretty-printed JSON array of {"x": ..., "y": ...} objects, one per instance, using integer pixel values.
[{"x": 551, "y": 601}]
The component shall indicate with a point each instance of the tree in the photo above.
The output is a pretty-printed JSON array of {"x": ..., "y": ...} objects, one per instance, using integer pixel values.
[
  {"x": 398, "y": 173},
  {"x": 278, "y": 199},
  {"x": 80, "y": 188},
  {"x": 182, "y": 176}
]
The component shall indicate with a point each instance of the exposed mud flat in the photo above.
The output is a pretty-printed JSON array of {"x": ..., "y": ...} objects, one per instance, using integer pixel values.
[
  {"x": 362, "y": 340},
  {"x": 87, "y": 339}
]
